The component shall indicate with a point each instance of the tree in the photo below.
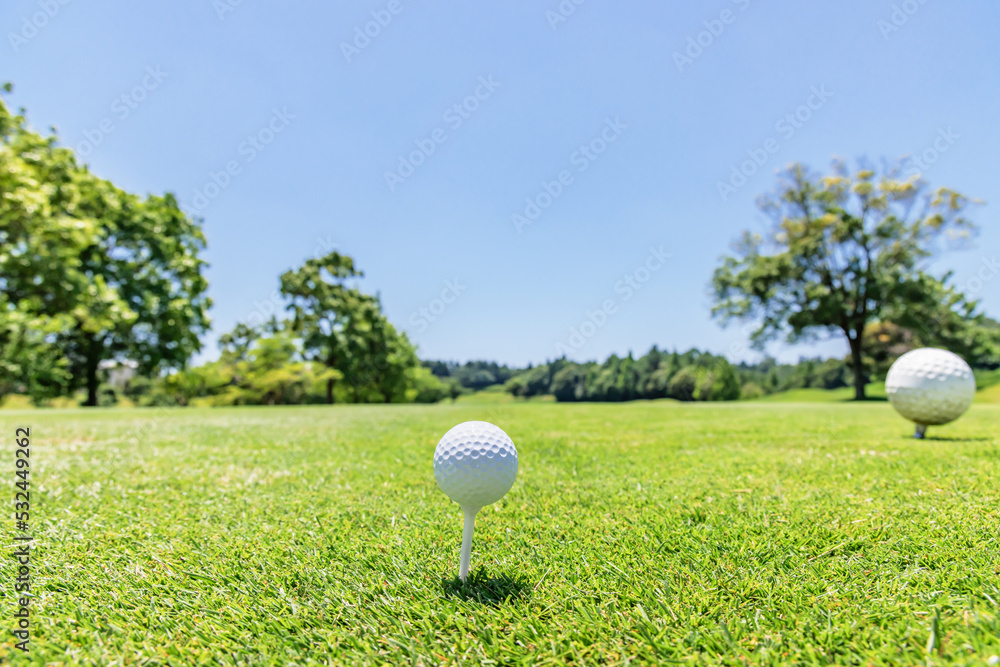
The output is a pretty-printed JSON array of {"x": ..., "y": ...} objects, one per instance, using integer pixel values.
[
  {"x": 429, "y": 388},
  {"x": 725, "y": 384},
  {"x": 236, "y": 344},
  {"x": 41, "y": 283},
  {"x": 146, "y": 259},
  {"x": 346, "y": 330},
  {"x": 684, "y": 384},
  {"x": 883, "y": 343},
  {"x": 120, "y": 274},
  {"x": 937, "y": 314},
  {"x": 846, "y": 249},
  {"x": 29, "y": 363},
  {"x": 569, "y": 383},
  {"x": 532, "y": 382}
]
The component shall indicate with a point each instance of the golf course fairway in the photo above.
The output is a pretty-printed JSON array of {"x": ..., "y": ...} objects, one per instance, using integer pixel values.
[{"x": 647, "y": 532}]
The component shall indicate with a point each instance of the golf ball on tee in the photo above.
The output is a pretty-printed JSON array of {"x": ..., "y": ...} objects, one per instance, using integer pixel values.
[
  {"x": 475, "y": 464},
  {"x": 930, "y": 386}
]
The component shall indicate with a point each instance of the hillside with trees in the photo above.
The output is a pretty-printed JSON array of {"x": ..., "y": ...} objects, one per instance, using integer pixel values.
[{"x": 684, "y": 376}]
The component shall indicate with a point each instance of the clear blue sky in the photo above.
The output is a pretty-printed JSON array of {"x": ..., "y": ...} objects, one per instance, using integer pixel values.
[{"x": 200, "y": 78}]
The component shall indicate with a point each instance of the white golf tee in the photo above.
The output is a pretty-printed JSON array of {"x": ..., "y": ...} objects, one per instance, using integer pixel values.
[{"x": 470, "y": 522}]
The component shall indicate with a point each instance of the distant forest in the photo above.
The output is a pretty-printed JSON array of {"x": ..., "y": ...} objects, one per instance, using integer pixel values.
[{"x": 686, "y": 376}]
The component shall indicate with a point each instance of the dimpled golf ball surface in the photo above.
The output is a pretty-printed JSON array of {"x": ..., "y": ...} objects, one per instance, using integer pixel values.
[
  {"x": 930, "y": 386},
  {"x": 475, "y": 464}
]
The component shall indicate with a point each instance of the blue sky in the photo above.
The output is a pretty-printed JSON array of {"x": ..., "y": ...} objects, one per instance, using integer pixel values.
[{"x": 292, "y": 132}]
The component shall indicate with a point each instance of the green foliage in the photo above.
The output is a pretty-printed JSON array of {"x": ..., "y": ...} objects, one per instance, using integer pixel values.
[
  {"x": 569, "y": 383},
  {"x": 848, "y": 249},
  {"x": 692, "y": 376},
  {"x": 684, "y": 385},
  {"x": 725, "y": 386},
  {"x": 429, "y": 388},
  {"x": 688, "y": 376},
  {"x": 106, "y": 274},
  {"x": 346, "y": 330},
  {"x": 770, "y": 377},
  {"x": 268, "y": 365},
  {"x": 258, "y": 366},
  {"x": 472, "y": 375},
  {"x": 751, "y": 391},
  {"x": 939, "y": 316},
  {"x": 534, "y": 381},
  {"x": 29, "y": 363},
  {"x": 882, "y": 344}
]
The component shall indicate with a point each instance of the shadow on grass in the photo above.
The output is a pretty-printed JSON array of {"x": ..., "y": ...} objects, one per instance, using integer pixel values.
[
  {"x": 487, "y": 590},
  {"x": 946, "y": 439}
]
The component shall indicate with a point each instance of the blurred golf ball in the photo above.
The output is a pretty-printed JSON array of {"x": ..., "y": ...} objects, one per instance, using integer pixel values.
[
  {"x": 475, "y": 464},
  {"x": 930, "y": 386}
]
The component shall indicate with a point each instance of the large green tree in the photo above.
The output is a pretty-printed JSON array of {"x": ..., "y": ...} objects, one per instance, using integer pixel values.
[
  {"x": 847, "y": 249},
  {"x": 346, "y": 330},
  {"x": 119, "y": 274}
]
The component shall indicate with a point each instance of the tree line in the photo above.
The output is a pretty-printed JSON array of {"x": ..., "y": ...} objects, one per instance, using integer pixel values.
[
  {"x": 691, "y": 376},
  {"x": 94, "y": 280}
]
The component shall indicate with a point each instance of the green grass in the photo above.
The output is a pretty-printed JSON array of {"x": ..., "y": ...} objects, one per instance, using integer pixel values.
[
  {"x": 495, "y": 395},
  {"x": 989, "y": 386},
  {"x": 874, "y": 391},
  {"x": 990, "y": 395},
  {"x": 987, "y": 379},
  {"x": 642, "y": 533}
]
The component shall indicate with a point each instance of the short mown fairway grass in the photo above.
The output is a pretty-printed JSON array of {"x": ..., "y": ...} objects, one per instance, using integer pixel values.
[{"x": 747, "y": 533}]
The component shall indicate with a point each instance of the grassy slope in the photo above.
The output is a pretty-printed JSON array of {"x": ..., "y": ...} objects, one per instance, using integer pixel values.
[
  {"x": 749, "y": 532},
  {"x": 991, "y": 395},
  {"x": 986, "y": 379},
  {"x": 875, "y": 391}
]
